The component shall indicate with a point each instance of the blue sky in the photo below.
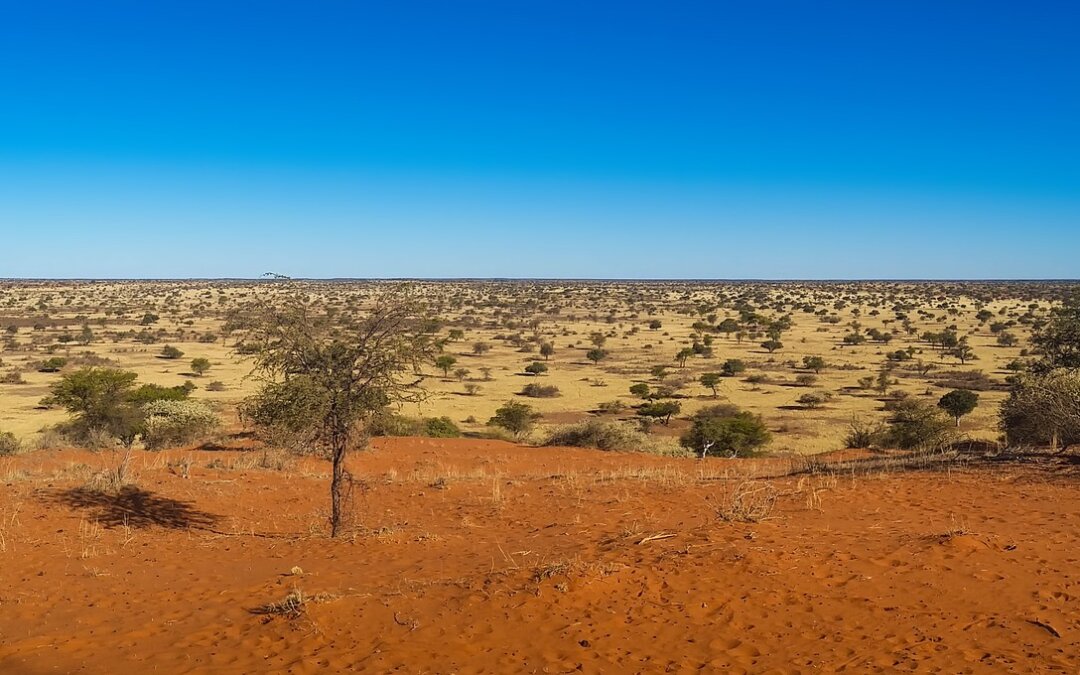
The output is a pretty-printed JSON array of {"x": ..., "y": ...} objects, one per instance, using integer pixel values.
[{"x": 550, "y": 139}]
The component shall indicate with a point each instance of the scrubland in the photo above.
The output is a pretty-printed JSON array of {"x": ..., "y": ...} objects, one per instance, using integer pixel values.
[{"x": 496, "y": 552}]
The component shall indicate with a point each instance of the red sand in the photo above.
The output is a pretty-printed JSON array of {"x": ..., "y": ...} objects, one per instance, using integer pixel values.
[{"x": 480, "y": 556}]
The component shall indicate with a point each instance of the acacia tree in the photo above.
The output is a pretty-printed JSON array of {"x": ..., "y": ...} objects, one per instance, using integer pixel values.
[{"x": 326, "y": 376}]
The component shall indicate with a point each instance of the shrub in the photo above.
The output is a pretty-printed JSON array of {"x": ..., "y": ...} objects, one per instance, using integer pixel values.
[
  {"x": 611, "y": 407},
  {"x": 12, "y": 377},
  {"x": 173, "y": 423},
  {"x": 9, "y": 444},
  {"x": 392, "y": 424},
  {"x": 441, "y": 427},
  {"x": 918, "y": 425},
  {"x": 660, "y": 410},
  {"x": 517, "y": 418},
  {"x": 862, "y": 434},
  {"x": 216, "y": 385},
  {"x": 536, "y": 368},
  {"x": 170, "y": 352},
  {"x": 534, "y": 390},
  {"x": 732, "y": 367},
  {"x": 1043, "y": 409},
  {"x": 52, "y": 365},
  {"x": 725, "y": 430},
  {"x": 602, "y": 436},
  {"x": 814, "y": 399}
]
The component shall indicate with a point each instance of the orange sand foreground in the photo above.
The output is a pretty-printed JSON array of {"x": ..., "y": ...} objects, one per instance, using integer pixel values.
[{"x": 481, "y": 556}]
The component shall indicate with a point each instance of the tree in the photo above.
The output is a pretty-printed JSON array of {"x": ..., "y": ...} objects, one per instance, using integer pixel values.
[
  {"x": 958, "y": 402},
  {"x": 660, "y": 410},
  {"x": 445, "y": 363},
  {"x": 963, "y": 351},
  {"x": 682, "y": 355},
  {"x": 711, "y": 381},
  {"x": 455, "y": 334},
  {"x": 724, "y": 429},
  {"x": 655, "y": 324},
  {"x": 772, "y": 345},
  {"x": 814, "y": 363},
  {"x": 658, "y": 372},
  {"x": 640, "y": 389},
  {"x": 517, "y": 418},
  {"x": 327, "y": 376},
  {"x": 536, "y": 368},
  {"x": 547, "y": 350},
  {"x": 96, "y": 397},
  {"x": 170, "y": 352},
  {"x": 596, "y": 355},
  {"x": 200, "y": 366},
  {"x": 1058, "y": 341}
]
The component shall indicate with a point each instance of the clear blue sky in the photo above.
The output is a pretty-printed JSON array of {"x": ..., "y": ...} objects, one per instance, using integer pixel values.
[{"x": 540, "y": 138}]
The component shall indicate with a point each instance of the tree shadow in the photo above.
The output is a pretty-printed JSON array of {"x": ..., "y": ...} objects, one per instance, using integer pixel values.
[{"x": 135, "y": 507}]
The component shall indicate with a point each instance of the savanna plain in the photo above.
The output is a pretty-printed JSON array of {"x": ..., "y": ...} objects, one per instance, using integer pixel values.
[{"x": 539, "y": 476}]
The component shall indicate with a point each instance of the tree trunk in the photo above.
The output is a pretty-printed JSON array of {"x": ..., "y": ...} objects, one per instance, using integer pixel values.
[{"x": 337, "y": 485}]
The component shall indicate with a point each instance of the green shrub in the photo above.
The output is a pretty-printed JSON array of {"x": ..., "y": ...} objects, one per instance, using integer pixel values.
[
  {"x": 917, "y": 425},
  {"x": 612, "y": 436},
  {"x": 441, "y": 427},
  {"x": 724, "y": 430},
  {"x": 540, "y": 391},
  {"x": 174, "y": 423},
  {"x": 517, "y": 418}
]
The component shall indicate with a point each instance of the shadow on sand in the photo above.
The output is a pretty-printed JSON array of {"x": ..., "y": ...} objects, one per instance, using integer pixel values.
[{"x": 135, "y": 508}]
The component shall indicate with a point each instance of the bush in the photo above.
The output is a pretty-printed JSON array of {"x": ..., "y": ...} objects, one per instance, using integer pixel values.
[
  {"x": 441, "y": 427},
  {"x": 517, "y": 418},
  {"x": 814, "y": 399},
  {"x": 660, "y": 410},
  {"x": 216, "y": 385},
  {"x": 173, "y": 423},
  {"x": 732, "y": 367},
  {"x": 612, "y": 436},
  {"x": 536, "y": 368},
  {"x": 52, "y": 365},
  {"x": 863, "y": 434},
  {"x": 917, "y": 425},
  {"x": 725, "y": 430},
  {"x": 170, "y": 352},
  {"x": 1043, "y": 409},
  {"x": 9, "y": 445},
  {"x": 12, "y": 377},
  {"x": 540, "y": 391}
]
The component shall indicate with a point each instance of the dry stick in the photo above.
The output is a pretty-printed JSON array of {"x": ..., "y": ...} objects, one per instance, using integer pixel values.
[{"x": 656, "y": 537}]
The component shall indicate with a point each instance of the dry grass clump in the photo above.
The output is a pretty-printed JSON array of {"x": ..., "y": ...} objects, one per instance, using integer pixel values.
[{"x": 747, "y": 502}]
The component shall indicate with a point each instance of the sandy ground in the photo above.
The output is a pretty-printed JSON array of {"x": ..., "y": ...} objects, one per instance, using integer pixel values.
[{"x": 480, "y": 556}]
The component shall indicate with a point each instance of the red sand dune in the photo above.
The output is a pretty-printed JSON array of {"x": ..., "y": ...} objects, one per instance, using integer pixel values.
[{"x": 480, "y": 556}]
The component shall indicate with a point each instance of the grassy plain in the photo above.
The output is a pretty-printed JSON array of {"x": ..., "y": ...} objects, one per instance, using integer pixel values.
[{"x": 129, "y": 323}]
